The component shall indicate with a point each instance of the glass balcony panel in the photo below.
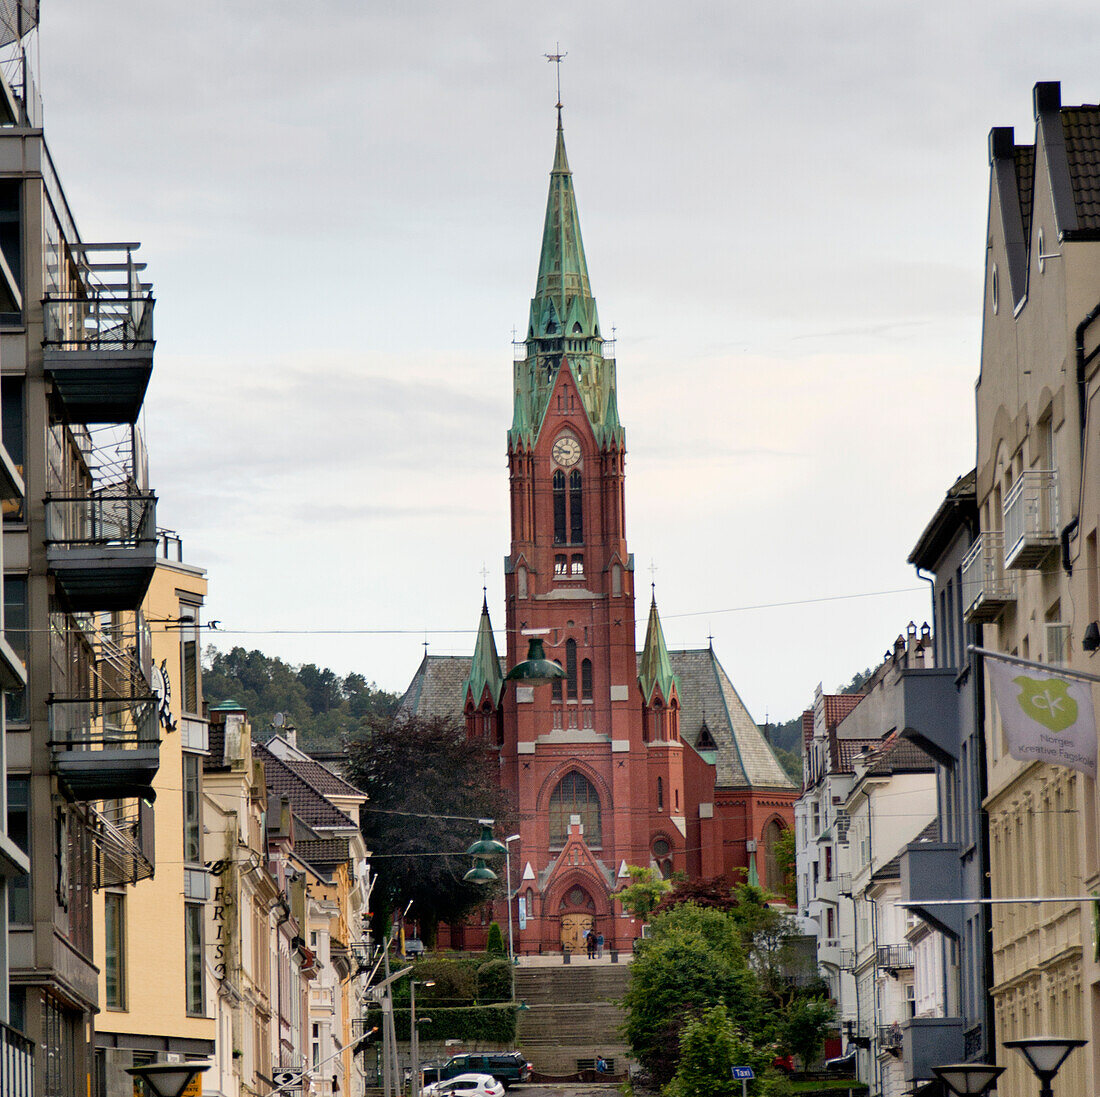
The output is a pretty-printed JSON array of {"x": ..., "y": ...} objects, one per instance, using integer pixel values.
[
  {"x": 1031, "y": 519},
  {"x": 986, "y": 587},
  {"x": 928, "y": 1042}
]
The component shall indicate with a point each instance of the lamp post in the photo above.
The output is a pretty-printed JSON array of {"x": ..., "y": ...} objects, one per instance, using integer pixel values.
[
  {"x": 1045, "y": 1055},
  {"x": 508, "y": 884},
  {"x": 414, "y": 1037},
  {"x": 968, "y": 1079},
  {"x": 168, "y": 1079},
  {"x": 485, "y": 847}
]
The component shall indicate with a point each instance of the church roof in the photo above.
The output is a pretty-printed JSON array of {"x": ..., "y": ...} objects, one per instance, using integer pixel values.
[
  {"x": 485, "y": 668},
  {"x": 708, "y": 696},
  {"x": 742, "y": 755},
  {"x": 654, "y": 668}
]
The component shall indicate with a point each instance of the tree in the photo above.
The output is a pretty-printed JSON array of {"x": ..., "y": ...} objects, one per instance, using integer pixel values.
[
  {"x": 427, "y": 785},
  {"x": 645, "y": 890},
  {"x": 693, "y": 960},
  {"x": 786, "y": 859},
  {"x": 494, "y": 945},
  {"x": 715, "y": 893},
  {"x": 709, "y": 1047},
  {"x": 805, "y": 1022}
]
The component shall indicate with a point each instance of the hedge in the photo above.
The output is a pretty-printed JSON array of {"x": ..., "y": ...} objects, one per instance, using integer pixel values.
[
  {"x": 471, "y": 1024},
  {"x": 494, "y": 982}
]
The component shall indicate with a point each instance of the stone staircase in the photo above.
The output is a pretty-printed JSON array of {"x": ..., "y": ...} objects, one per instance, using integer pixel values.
[{"x": 571, "y": 1014}]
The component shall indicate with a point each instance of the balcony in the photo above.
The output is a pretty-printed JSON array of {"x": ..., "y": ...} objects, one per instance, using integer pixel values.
[
  {"x": 1031, "y": 519},
  {"x": 97, "y": 344},
  {"x": 986, "y": 589},
  {"x": 890, "y": 1038},
  {"x": 931, "y": 871},
  {"x": 122, "y": 840},
  {"x": 930, "y": 712},
  {"x": 102, "y": 547},
  {"x": 847, "y": 959},
  {"x": 844, "y": 884},
  {"x": 16, "y": 1063},
  {"x": 928, "y": 1042},
  {"x": 894, "y": 958}
]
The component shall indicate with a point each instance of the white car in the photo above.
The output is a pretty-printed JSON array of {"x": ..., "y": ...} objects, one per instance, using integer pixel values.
[{"x": 465, "y": 1085}]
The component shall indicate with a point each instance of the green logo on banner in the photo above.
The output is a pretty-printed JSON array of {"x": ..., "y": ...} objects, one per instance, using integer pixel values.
[{"x": 1047, "y": 701}]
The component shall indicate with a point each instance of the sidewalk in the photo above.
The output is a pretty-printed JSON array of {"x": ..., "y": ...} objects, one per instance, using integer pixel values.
[{"x": 579, "y": 959}]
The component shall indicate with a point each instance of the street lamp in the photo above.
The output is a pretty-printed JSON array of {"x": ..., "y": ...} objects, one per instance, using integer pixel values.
[
  {"x": 968, "y": 1079},
  {"x": 168, "y": 1079},
  {"x": 414, "y": 1036},
  {"x": 486, "y": 846},
  {"x": 1045, "y": 1055},
  {"x": 536, "y": 669},
  {"x": 508, "y": 884}
]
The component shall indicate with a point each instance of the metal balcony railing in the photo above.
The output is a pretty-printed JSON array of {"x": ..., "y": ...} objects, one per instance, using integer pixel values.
[
  {"x": 890, "y": 1037},
  {"x": 848, "y": 959},
  {"x": 986, "y": 587},
  {"x": 103, "y": 321},
  {"x": 1031, "y": 518},
  {"x": 894, "y": 957},
  {"x": 109, "y": 518},
  {"x": 122, "y": 839},
  {"x": 16, "y": 1063},
  {"x": 844, "y": 883}
]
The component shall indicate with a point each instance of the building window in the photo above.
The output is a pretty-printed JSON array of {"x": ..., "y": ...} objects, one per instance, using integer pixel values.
[
  {"x": 10, "y": 240},
  {"x": 114, "y": 934},
  {"x": 189, "y": 657},
  {"x": 660, "y": 794},
  {"x": 576, "y": 508},
  {"x": 574, "y": 796},
  {"x": 521, "y": 582},
  {"x": 19, "y": 887},
  {"x": 192, "y": 809},
  {"x": 15, "y": 631},
  {"x": 586, "y": 679},
  {"x": 775, "y": 879},
  {"x": 561, "y": 566},
  {"x": 315, "y": 1047},
  {"x": 193, "y": 952},
  {"x": 616, "y": 580},
  {"x": 559, "y": 507},
  {"x": 12, "y": 432},
  {"x": 555, "y": 687},
  {"x": 576, "y": 566},
  {"x": 571, "y": 669}
]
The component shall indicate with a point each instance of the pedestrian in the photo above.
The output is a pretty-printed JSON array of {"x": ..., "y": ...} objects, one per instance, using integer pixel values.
[
  {"x": 590, "y": 943},
  {"x": 599, "y": 945},
  {"x": 601, "y": 1065}
]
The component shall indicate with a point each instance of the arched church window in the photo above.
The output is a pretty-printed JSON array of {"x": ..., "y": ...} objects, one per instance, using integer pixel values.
[
  {"x": 576, "y": 566},
  {"x": 775, "y": 879},
  {"x": 559, "y": 507},
  {"x": 555, "y": 687},
  {"x": 521, "y": 582},
  {"x": 561, "y": 566},
  {"x": 575, "y": 795},
  {"x": 586, "y": 679},
  {"x": 571, "y": 669},
  {"x": 616, "y": 580},
  {"x": 660, "y": 794},
  {"x": 658, "y": 720},
  {"x": 576, "y": 508},
  {"x": 530, "y": 902}
]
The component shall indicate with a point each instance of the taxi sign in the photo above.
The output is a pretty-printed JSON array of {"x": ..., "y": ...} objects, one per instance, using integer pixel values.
[{"x": 742, "y": 1072}]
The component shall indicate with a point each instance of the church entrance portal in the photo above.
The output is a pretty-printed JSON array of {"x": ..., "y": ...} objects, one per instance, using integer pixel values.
[{"x": 573, "y": 929}]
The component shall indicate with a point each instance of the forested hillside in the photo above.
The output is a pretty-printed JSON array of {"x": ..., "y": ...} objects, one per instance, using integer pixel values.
[{"x": 324, "y": 707}]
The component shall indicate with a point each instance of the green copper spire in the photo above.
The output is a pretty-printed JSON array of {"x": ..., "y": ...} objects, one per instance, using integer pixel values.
[
  {"x": 485, "y": 665},
  {"x": 656, "y": 668},
  {"x": 564, "y": 324}
]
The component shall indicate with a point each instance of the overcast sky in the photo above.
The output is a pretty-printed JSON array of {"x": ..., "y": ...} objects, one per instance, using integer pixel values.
[{"x": 341, "y": 202}]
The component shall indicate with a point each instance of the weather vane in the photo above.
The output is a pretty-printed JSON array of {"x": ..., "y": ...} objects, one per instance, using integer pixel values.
[{"x": 557, "y": 57}]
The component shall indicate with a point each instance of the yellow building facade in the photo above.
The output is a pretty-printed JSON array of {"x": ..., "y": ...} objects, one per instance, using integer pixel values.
[{"x": 149, "y": 941}]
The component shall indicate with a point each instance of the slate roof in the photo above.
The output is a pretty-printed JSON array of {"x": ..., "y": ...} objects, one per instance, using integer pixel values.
[
  {"x": 898, "y": 755},
  {"x": 1081, "y": 128},
  {"x": 743, "y": 756},
  {"x": 706, "y": 693},
  {"x": 1025, "y": 183},
  {"x": 306, "y": 801},
  {"x": 322, "y": 778}
]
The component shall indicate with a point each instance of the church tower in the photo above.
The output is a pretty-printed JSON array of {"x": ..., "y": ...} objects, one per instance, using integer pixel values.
[{"x": 574, "y": 751}]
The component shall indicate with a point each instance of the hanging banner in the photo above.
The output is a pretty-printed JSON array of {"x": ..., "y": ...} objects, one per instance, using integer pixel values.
[
  {"x": 1046, "y": 716},
  {"x": 523, "y": 912}
]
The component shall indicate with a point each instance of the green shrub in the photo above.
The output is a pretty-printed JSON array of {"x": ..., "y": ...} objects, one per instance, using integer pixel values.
[
  {"x": 471, "y": 1024},
  {"x": 494, "y": 946},
  {"x": 494, "y": 982},
  {"x": 455, "y": 983}
]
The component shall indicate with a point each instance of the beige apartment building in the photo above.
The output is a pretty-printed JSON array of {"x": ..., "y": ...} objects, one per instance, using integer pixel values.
[
  {"x": 149, "y": 936},
  {"x": 1031, "y": 579}
]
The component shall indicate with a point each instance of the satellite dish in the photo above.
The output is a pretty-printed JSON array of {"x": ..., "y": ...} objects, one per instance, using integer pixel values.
[
  {"x": 278, "y": 720},
  {"x": 17, "y": 18}
]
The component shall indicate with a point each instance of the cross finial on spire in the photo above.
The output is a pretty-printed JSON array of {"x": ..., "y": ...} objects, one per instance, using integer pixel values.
[
  {"x": 484, "y": 582},
  {"x": 653, "y": 579},
  {"x": 557, "y": 57}
]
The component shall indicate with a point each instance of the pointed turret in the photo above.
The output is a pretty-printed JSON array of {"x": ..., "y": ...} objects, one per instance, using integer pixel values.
[
  {"x": 485, "y": 666},
  {"x": 655, "y": 672},
  {"x": 564, "y": 325}
]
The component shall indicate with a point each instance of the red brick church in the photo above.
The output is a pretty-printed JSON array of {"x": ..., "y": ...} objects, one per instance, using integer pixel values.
[{"x": 634, "y": 758}]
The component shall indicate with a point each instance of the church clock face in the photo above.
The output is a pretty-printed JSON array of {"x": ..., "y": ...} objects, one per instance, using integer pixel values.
[{"x": 566, "y": 451}]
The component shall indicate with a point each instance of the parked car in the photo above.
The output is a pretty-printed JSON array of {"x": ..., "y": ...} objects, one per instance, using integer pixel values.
[
  {"x": 465, "y": 1085},
  {"x": 784, "y": 1063},
  {"x": 506, "y": 1067},
  {"x": 843, "y": 1064}
]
